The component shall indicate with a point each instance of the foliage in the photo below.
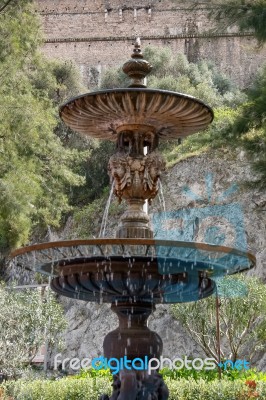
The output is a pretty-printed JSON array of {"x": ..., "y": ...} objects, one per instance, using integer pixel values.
[
  {"x": 211, "y": 375},
  {"x": 242, "y": 321},
  {"x": 113, "y": 78},
  {"x": 86, "y": 221},
  {"x": 90, "y": 388},
  {"x": 94, "y": 170},
  {"x": 64, "y": 389},
  {"x": 249, "y": 129},
  {"x": 201, "y": 80},
  {"x": 36, "y": 170},
  {"x": 217, "y": 136},
  {"x": 250, "y": 126},
  {"x": 93, "y": 373},
  {"x": 246, "y": 14},
  {"x": 28, "y": 318},
  {"x": 174, "y": 72},
  {"x": 184, "y": 373}
]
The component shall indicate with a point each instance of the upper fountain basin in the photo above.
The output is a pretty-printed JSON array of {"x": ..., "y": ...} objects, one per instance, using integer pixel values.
[{"x": 103, "y": 114}]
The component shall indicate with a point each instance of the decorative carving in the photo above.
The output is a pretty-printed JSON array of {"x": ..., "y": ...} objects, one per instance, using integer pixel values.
[
  {"x": 101, "y": 114},
  {"x": 137, "y": 68},
  {"x": 136, "y": 177}
]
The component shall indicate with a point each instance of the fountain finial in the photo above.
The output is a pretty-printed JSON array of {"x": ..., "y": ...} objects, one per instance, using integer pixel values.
[
  {"x": 137, "y": 68},
  {"x": 137, "y": 49}
]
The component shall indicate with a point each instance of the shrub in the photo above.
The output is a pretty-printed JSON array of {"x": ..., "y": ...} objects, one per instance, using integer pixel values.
[{"x": 91, "y": 388}]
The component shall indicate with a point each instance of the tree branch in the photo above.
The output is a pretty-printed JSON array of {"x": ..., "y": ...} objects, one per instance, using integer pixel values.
[{"x": 5, "y": 5}]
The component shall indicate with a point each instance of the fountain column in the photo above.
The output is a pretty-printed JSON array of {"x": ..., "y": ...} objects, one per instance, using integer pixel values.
[{"x": 135, "y": 176}]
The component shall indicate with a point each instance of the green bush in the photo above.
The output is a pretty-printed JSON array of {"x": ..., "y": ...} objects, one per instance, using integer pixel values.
[
  {"x": 184, "y": 373},
  {"x": 63, "y": 389},
  {"x": 91, "y": 388},
  {"x": 211, "y": 375}
]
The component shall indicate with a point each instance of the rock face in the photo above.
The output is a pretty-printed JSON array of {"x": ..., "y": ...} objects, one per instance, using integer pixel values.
[
  {"x": 89, "y": 323},
  {"x": 228, "y": 175},
  {"x": 199, "y": 182}
]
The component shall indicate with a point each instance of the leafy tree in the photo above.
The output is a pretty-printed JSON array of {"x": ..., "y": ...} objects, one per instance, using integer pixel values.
[
  {"x": 37, "y": 170},
  {"x": 246, "y": 14},
  {"x": 243, "y": 320},
  {"x": 94, "y": 169},
  {"x": 174, "y": 72},
  {"x": 28, "y": 318},
  {"x": 250, "y": 127}
]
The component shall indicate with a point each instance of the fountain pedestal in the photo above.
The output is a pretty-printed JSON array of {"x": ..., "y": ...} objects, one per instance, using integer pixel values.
[
  {"x": 133, "y": 344},
  {"x": 133, "y": 338}
]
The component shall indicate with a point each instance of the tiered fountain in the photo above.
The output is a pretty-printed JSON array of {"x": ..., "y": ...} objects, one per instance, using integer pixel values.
[{"x": 134, "y": 271}]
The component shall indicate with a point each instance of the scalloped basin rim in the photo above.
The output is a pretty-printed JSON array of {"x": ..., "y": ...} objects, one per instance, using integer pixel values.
[
  {"x": 102, "y": 114},
  {"x": 133, "y": 242},
  {"x": 130, "y": 90}
]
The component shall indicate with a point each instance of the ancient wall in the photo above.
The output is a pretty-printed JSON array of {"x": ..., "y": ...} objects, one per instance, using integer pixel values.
[{"x": 97, "y": 34}]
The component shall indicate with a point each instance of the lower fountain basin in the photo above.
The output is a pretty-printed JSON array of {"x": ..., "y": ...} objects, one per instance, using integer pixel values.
[
  {"x": 119, "y": 279},
  {"x": 114, "y": 270}
]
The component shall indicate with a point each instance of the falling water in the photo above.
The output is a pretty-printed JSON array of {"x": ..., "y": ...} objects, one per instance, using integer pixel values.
[
  {"x": 162, "y": 204},
  {"x": 49, "y": 234},
  {"x": 106, "y": 211}
]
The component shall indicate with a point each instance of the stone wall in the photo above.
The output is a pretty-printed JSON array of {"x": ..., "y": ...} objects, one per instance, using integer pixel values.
[{"x": 98, "y": 34}]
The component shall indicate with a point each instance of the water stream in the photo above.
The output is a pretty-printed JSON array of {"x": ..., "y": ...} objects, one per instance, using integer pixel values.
[
  {"x": 162, "y": 206},
  {"x": 105, "y": 214}
]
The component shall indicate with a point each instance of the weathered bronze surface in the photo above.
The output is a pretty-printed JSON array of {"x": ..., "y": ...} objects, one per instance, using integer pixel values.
[
  {"x": 137, "y": 68},
  {"x": 134, "y": 339},
  {"x": 133, "y": 271},
  {"x": 104, "y": 270},
  {"x": 108, "y": 280},
  {"x": 135, "y": 178},
  {"x": 135, "y": 174},
  {"x": 102, "y": 114}
]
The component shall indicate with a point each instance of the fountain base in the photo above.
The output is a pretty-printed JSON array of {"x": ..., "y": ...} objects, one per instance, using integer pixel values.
[
  {"x": 137, "y": 385},
  {"x": 132, "y": 339},
  {"x": 133, "y": 343}
]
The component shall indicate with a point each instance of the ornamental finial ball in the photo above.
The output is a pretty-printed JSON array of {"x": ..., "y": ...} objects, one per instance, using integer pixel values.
[{"x": 137, "y": 68}]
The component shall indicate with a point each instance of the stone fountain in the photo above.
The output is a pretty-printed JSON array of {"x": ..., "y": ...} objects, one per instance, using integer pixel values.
[{"x": 134, "y": 271}]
